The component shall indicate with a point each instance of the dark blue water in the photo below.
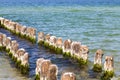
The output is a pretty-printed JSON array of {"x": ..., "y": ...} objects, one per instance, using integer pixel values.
[
  {"x": 59, "y": 2},
  {"x": 95, "y": 23}
]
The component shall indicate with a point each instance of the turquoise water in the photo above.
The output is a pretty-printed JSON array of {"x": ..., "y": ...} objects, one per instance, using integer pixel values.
[{"x": 92, "y": 23}]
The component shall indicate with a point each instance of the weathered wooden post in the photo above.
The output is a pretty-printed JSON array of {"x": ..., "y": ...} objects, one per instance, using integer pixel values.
[
  {"x": 1, "y": 41},
  {"x": 12, "y": 27},
  {"x": 4, "y": 39},
  {"x": 13, "y": 49},
  {"x": 75, "y": 50},
  {"x": 41, "y": 38},
  {"x": 108, "y": 68},
  {"x": 97, "y": 67},
  {"x": 23, "y": 32},
  {"x": 84, "y": 54},
  {"x": 8, "y": 44},
  {"x": 47, "y": 38},
  {"x": 67, "y": 48},
  {"x": 1, "y": 20},
  {"x": 5, "y": 23},
  {"x": 68, "y": 76},
  {"x": 31, "y": 34},
  {"x": 59, "y": 44},
  {"x": 79, "y": 52},
  {"x": 24, "y": 67},
  {"x": 52, "y": 72},
  {"x": 52, "y": 43},
  {"x": 38, "y": 69},
  {"x": 44, "y": 69},
  {"x": 18, "y": 29},
  {"x": 18, "y": 57}
]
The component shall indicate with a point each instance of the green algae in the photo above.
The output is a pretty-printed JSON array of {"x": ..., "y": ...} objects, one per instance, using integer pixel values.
[
  {"x": 59, "y": 50},
  {"x": 37, "y": 77},
  {"x": 24, "y": 69},
  {"x": 107, "y": 75}
]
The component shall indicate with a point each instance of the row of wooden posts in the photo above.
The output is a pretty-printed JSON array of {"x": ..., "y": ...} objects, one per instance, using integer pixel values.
[
  {"x": 68, "y": 48},
  {"x": 45, "y": 70},
  {"x": 18, "y": 55}
]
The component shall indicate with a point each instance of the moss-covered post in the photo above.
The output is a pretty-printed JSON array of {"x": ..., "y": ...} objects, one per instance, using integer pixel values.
[
  {"x": 79, "y": 52},
  {"x": 6, "y": 24},
  {"x": 59, "y": 44},
  {"x": 19, "y": 30},
  {"x": 8, "y": 44},
  {"x": 11, "y": 26},
  {"x": 47, "y": 40},
  {"x": 97, "y": 67},
  {"x": 52, "y": 43},
  {"x": 67, "y": 48},
  {"x": 75, "y": 50},
  {"x": 1, "y": 21},
  {"x": 45, "y": 64},
  {"x": 23, "y": 32},
  {"x": 4, "y": 39},
  {"x": 84, "y": 56},
  {"x": 31, "y": 34},
  {"x": 41, "y": 38},
  {"x": 19, "y": 55},
  {"x": 52, "y": 72},
  {"x": 14, "y": 47},
  {"x": 38, "y": 69},
  {"x": 24, "y": 67},
  {"x": 108, "y": 68},
  {"x": 1, "y": 41},
  {"x": 33, "y": 38},
  {"x": 68, "y": 76}
]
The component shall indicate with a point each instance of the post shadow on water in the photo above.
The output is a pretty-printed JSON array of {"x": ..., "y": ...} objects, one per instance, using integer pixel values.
[{"x": 64, "y": 64}]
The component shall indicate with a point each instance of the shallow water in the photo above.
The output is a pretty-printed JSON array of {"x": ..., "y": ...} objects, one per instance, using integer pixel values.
[
  {"x": 36, "y": 52},
  {"x": 93, "y": 22},
  {"x": 8, "y": 70}
]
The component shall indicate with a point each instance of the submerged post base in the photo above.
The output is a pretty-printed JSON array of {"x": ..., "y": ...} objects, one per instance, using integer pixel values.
[
  {"x": 24, "y": 69},
  {"x": 66, "y": 54},
  {"x": 2, "y": 48},
  {"x": 59, "y": 50},
  {"x": 82, "y": 61},
  {"x": 52, "y": 48},
  {"x": 40, "y": 43},
  {"x": 107, "y": 75},
  {"x": 37, "y": 77},
  {"x": 18, "y": 63},
  {"x": 97, "y": 68},
  {"x": 46, "y": 45}
]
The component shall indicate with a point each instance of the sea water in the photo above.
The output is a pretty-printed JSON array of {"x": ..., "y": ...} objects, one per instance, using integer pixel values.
[{"x": 95, "y": 23}]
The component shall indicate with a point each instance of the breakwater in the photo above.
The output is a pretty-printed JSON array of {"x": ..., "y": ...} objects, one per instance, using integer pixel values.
[
  {"x": 74, "y": 49},
  {"x": 19, "y": 56}
]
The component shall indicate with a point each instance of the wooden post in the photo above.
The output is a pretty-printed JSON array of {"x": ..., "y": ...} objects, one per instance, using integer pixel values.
[
  {"x": 108, "y": 68},
  {"x": 58, "y": 45},
  {"x": 44, "y": 69},
  {"x": 97, "y": 67},
  {"x": 52, "y": 72},
  {"x": 41, "y": 38},
  {"x": 68, "y": 76},
  {"x": 67, "y": 48}
]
